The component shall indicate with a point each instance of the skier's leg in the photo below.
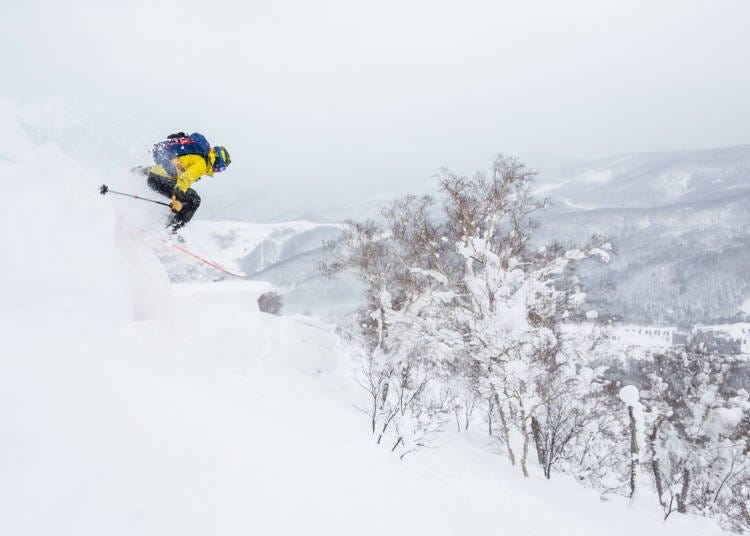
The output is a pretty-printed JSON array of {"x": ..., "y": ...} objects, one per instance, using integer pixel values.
[
  {"x": 190, "y": 203},
  {"x": 161, "y": 184},
  {"x": 190, "y": 200}
]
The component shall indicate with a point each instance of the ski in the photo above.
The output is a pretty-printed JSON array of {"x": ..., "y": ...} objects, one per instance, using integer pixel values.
[
  {"x": 181, "y": 249},
  {"x": 203, "y": 260}
]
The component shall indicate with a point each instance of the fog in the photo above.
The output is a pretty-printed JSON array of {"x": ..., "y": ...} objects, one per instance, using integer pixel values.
[{"x": 324, "y": 103}]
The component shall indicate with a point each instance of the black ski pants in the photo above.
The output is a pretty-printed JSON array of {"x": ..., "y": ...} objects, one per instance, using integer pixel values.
[{"x": 190, "y": 200}]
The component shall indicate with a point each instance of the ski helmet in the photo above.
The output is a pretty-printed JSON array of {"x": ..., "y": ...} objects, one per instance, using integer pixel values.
[{"x": 222, "y": 159}]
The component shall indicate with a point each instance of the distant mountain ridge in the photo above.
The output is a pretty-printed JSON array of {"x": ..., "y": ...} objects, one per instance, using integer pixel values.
[
  {"x": 650, "y": 179},
  {"x": 679, "y": 221}
]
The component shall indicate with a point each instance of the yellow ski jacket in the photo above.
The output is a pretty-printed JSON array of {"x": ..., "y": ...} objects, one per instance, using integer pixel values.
[{"x": 190, "y": 168}]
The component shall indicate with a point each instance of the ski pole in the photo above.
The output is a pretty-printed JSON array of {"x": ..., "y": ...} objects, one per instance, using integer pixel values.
[{"x": 105, "y": 189}]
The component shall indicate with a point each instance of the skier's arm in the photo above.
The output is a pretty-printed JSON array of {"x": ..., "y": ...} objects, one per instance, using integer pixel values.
[{"x": 189, "y": 168}]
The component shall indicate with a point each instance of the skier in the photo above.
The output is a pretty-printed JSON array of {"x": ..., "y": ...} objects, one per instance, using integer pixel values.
[{"x": 180, "y": 161}]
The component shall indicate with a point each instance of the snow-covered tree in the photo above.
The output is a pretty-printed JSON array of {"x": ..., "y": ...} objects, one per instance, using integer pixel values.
[
  {"x": 462, "y": 312},
  {"x": 456, "y": 296},
  {"x": 401, "y": 370},
  {"x": 512, "y": 299},
  {"x": 695, "y": 442}
]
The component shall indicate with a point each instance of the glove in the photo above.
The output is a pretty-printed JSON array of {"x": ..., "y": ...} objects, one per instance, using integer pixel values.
[{"x": 176, "y": 205}]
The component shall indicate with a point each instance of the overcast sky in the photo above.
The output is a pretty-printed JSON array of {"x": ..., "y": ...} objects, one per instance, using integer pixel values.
[{"x": 314, "y": 97}]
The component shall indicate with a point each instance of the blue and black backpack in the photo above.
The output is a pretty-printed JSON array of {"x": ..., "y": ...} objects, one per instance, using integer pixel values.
[{"x": 180, "y": 145}]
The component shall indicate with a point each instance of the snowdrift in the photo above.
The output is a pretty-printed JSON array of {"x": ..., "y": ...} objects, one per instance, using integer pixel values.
[{"x": 59, "y": 252}]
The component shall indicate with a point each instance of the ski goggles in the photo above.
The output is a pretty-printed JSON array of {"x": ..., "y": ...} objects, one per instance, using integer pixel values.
[{"x": 222, "y": 159}]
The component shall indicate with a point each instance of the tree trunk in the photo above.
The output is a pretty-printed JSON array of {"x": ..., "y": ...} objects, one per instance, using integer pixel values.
[
  {"x": 504, "y": 422},
  {"x": 489, "y": 415},
  {"x": 525, "y": 433},
  {"x": 385, "y": 426},
  {"x": 655, "y": 464},
  {"x": 382, "y": 330},
  {"x": 683, "y": 495},
  {"x": 467, "y": 414},
  {"x": 633, "y": 451},
  {"x": 540, "y": 450},
  {"x": 657, "y": 480}
]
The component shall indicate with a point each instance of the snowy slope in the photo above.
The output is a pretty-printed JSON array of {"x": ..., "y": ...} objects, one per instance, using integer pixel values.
[
  {"x": 242, "y": 426},
  {"x": 130, "y": 405}
]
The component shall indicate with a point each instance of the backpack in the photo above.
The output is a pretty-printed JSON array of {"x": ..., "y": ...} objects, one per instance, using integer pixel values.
[{"x": 179, "y": 145}]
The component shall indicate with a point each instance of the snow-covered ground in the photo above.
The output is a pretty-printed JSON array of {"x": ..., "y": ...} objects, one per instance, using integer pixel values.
[
  {"x": 232, "y": 421},
  {"x": 130, "y": 405}
]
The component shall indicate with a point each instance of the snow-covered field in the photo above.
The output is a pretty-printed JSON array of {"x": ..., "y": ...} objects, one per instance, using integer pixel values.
[{"x": 129, "y": 405}]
